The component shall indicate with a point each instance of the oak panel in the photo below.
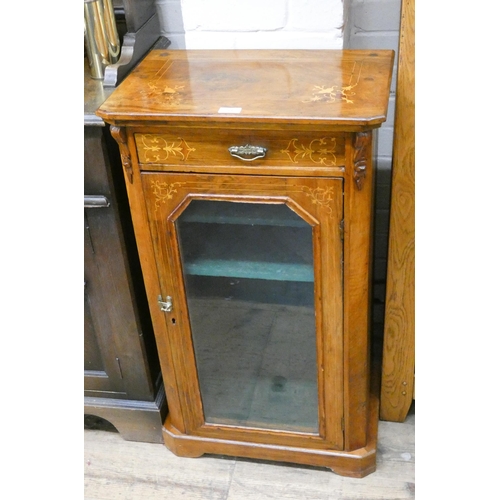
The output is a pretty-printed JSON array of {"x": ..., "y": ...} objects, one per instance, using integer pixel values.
[{"x": 399, "y": 330}]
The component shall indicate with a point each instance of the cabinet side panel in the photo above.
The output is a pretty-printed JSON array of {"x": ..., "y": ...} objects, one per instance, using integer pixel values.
[
  {"x": 148, "y": 264},
  {"x": 357, "y": 278}
]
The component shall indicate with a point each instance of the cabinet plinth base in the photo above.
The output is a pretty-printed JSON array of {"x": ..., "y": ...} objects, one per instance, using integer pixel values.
[
  {"x": 357, "y": 463},
  {"x": 134, "y": 420}
]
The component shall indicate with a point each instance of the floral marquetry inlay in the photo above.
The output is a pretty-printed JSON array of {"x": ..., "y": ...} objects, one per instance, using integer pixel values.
[
  {"x": 321, "y": 196},
  {"x": 155, "y": 148},
  {"x": 336, "y": 92},
  {"x": 161, "y": 92},
  {"x": 164, "y": 191},
  {"x": 164, "y": 93},
  {"x": 321, "y": 151}
]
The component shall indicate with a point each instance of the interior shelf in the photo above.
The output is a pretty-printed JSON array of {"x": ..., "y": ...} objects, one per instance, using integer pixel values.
[
  {"x": 259, "y": 252},
  {"x": 243, "y": 213},
  {"x": 248, "y": 269},
  {"x": 259, "y": 241}
]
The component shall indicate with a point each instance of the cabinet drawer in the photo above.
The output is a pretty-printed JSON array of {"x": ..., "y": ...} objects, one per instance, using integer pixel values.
[{"x": 275, "y": 151}]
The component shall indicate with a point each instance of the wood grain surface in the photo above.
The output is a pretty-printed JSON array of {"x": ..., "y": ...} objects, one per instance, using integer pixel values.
[
  {"x": 167, "y": 196},
  {"x": 301, "y": 86},
  {"x": 399, "y": 330},
  {"x": 175, "y": 117}
]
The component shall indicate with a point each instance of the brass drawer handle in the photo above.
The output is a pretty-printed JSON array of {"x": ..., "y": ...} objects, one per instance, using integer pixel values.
[{"x": 255, "y": 152}]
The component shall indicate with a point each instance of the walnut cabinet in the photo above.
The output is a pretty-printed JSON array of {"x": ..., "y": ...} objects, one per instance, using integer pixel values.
[{"x": 250, "y": 181}]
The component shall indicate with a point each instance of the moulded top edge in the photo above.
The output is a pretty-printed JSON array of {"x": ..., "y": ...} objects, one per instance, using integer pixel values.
[{"x": 338, "y": 87}]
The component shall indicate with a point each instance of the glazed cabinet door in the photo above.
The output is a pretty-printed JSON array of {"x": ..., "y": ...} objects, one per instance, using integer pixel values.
[{"x": 250, "y": 273}]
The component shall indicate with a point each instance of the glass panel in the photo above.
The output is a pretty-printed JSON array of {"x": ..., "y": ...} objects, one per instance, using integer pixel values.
[{"x": 248, "y": 273}]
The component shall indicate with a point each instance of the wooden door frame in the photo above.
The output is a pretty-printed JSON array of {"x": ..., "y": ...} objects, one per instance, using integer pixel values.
[{"x": 280, "y": 189}]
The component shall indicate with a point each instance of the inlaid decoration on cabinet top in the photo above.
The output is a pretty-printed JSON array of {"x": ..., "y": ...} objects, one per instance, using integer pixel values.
[
  {"x": 276, "y": 86},
  {"x": 162, "y": 92},
  {"x": 336, "y": 92},
  {"x": 168, "y": 95}
]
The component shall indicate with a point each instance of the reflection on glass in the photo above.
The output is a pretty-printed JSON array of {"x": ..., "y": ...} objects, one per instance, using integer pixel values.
[{"x": 248, "y": 273}]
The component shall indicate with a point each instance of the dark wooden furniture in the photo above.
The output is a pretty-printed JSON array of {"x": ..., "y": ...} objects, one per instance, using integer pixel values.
[
  {"x": 138, "y": 28},
  {"x": 122, "y": 377},
  {"x": 123, "y": 381},
  {"x": 398, "y": 365},
  {"x": 250, "y": 180}
]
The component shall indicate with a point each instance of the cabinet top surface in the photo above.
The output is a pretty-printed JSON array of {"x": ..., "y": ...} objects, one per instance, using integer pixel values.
[{"x": 335, "y": 87}]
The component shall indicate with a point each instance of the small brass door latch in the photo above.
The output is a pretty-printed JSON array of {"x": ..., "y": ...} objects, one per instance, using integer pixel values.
[{"x": 165, "y": 306}]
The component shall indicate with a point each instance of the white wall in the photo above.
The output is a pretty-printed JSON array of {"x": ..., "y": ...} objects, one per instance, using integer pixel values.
[
  {"x": 374, "y": 24},
  {"x": 248, "y": 24}
]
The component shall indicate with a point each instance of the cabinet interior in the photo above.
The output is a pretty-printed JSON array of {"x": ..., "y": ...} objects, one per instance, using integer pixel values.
[{"x": 249, "y": 280}]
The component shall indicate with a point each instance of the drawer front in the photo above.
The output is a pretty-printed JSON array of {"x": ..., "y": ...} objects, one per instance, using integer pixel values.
[{"x": 286, "y": 152}]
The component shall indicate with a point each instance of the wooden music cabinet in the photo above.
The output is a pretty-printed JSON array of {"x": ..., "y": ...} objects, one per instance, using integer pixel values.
[{"x": 250, "y": 180}]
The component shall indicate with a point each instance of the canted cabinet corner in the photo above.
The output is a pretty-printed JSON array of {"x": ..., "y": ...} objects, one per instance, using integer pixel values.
[{"x": 249, "y": 176}]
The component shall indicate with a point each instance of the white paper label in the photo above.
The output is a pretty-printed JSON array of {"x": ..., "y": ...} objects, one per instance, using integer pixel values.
[{"x": 229, "y": 110}]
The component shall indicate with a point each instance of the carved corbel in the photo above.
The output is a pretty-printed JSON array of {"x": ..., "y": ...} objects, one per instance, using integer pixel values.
[
  {"x": 120, "y": 136},
  {"x": 361, "y": 145}
]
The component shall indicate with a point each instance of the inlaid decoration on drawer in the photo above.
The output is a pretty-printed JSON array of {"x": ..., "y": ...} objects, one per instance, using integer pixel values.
[{"x": 276, "y": 148}]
